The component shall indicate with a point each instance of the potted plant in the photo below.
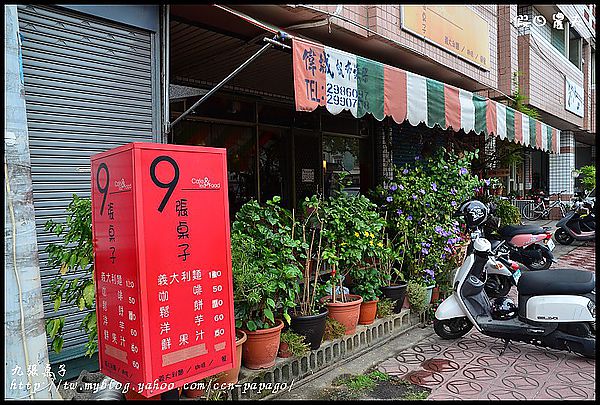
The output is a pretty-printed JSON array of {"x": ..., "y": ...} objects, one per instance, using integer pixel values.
[
  {"x": 231, "y": 376},
  {"x": 429, "y": 282},
  {"x": 352, "y": 222},
  {"x": 390, "y": 257},
  {"x": 417, "y": 295},
  {"x": 265, "y": 277},
  {"x": 292, "y": 344},
  {"x": 309, "y": 316}
]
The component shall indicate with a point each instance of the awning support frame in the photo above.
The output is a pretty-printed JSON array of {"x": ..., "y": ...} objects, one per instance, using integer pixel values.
[{"x": 275, "y": 41}]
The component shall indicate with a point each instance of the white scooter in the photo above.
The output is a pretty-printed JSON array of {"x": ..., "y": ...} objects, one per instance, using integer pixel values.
[
  {"x": 500, "y": 272},
  {"x": 557, "y": 308}
]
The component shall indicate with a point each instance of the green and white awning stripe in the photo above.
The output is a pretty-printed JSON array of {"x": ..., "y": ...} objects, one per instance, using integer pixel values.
[{"x": 339, "y": 81}]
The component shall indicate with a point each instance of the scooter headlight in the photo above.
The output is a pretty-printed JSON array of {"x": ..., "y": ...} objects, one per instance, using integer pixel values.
[{"x": 592, "y": 308}]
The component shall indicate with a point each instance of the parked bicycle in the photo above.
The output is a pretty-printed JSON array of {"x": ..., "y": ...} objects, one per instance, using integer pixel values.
[{"x": 541, "y": 206}]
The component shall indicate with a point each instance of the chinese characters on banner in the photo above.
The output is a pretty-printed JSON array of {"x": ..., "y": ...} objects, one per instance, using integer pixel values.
[{"x": 163, "y": 266}]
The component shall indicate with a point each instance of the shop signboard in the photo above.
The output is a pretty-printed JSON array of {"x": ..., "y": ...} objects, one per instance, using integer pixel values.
[
  {"x": 164, "y": 296},
  {"x": 457, "y": 29}
]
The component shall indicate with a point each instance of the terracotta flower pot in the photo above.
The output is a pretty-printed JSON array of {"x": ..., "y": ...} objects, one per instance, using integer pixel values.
[
  {"x": 346, "y": 313},
  {"x": 260, "y": 349},
  {"x": 406, "y": 304},
  {"x": 368, "y": 312},
  {"x": 435, "y": 294},
  {"x": 284, "y": 350},
  {"x": 231, "y": 376}
]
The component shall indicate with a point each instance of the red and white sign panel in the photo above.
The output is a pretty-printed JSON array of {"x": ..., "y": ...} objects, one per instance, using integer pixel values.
[{"x": 164, "y": 294}]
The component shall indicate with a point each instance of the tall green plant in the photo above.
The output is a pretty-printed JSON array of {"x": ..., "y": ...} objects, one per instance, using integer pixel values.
[
  {"x": 519, "y": 99},
  {"x": 352, "y": 224},
  {"x": 420, "y": 201},
  {"x": 266, "y": 262},
  {"x": 587, "y": 175},
  {"x": 73, "y": 253}
]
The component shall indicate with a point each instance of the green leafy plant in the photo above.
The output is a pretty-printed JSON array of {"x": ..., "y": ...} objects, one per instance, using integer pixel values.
[
  {"x": 362, "y": 382},
  {"x": 389, "y": 256},
  {"x": 587, "y": 174},
  {"x": 385, "y": 307},
  {"x": 519, "y": 99},
  {"x": 266, "y": 264},
  {"x": 506, "y": 212},
  {"x": 73, "y": 253},
  {"x": 311, "y": 228},
  {"x": 333, "y": 329},
  {"x": 352, "y": 223},
  {"x": 295, "y": 343},
  {"x": 419, "y": 202},
  {"x": 417, "y": 294}
]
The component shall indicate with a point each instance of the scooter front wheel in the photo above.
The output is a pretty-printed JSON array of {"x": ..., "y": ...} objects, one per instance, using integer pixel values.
[
  {"x": 563, "y": 237},
  {"x": 452, "y": 328}
]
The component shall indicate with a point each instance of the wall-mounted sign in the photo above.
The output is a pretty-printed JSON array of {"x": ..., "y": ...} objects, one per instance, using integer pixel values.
[
  {"x": 164, "y": 296},
  {"x": 308, "y": 175},
  {"x": 573, "y": 97},
  {"x": 457, "y": 29}
]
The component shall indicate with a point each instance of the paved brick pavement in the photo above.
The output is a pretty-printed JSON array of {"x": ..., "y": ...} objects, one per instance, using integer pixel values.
[{"x": 471, "y": 367}]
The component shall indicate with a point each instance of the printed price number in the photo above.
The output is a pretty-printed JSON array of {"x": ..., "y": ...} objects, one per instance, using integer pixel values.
[
  {"x": 135, "y": 365},
  {"x": 219, "y": 317},
  {"x": 219, "y": 332},
  {"x": 217, "y": 288}
]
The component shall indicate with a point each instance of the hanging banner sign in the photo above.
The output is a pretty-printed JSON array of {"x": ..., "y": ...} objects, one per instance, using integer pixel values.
[
  {"x": 339, "y": 81},
  {"x": 573, "y": 97},
  {"x": 164, "y": 294}
]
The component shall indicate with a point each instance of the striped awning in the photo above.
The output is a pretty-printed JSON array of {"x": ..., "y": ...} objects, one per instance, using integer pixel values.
[{"x": 339, "y": 80}]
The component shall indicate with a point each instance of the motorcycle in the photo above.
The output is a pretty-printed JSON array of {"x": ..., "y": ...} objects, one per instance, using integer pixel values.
[
  {"x": 530, "y": 245},
  {"x": 556, "y": 309},
  {"x": 577, "y": 224},
  {"x": 501, "y": 273}
]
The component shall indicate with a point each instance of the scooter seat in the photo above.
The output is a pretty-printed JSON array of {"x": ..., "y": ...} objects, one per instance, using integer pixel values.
[
  {"x": 556, "y": 281},
  {"x": 512, "y": 230}
]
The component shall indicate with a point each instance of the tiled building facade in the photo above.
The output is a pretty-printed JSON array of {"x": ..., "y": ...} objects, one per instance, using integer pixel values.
[{"x": 544, "y": 58}]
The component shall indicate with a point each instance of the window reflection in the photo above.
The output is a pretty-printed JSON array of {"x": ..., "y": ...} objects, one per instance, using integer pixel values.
[{"x": 341, "y": 155}]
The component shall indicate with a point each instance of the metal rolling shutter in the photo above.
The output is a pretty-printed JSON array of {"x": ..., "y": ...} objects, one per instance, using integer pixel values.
[{"x": 88, "y": 85}]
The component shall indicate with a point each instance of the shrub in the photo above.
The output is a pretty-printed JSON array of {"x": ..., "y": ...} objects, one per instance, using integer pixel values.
[
  {"x": 296, "y": 343},
  {"x": 333, "y": 329},
  {"x": 385, "y": 307},
  {"x": 417, "y": 294},
  {"x": 588, "y": 177}
]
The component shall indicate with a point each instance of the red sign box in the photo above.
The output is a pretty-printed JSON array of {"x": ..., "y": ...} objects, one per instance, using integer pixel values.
[{"x": 164, "y": 293}]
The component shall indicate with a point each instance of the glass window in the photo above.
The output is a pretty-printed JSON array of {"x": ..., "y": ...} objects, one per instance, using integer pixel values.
[
  {"x": 241, "y": 155},
  {"x": 224, "y": 107},
  {"x": 274, "y": 164},
  {"x": 558, "y": 39},
  {"x": 341, "y": 155},
  {"x": 275, "y": 115},
  {"x": 574, "y": 48}
]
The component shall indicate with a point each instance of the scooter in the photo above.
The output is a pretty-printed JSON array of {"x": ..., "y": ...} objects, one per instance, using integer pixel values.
[
  {"x": 530, "y": 245},
  {"x": 500, "y": 273},
  {"x": 577, "y": 224},
  {"x": 556, "y": 308}
]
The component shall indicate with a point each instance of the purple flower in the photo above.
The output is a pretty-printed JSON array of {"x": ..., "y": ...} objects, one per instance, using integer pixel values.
[
  {"x": 393, "y": 187},
  {"x": 434, "y": 186},
  {"x": 447, "y": 249},
  {"x": 439, "y": 229},
  {"x": 463, "y": 171},
  {"x": 417, "y": 157},
  {"x": 399, "y": 212},
  {"x": 453, "y": 191},
  {"x": 389, "y": 199},
  {"x": 405, "y": 171},
  {"x": 409, "y": 217},
  {"x": 429, "y": 272},
  {"x": 487, "y": 182},
  {"x": 443, "y": 256},
  {"x": 453, "y": 203},
  {"x": 422, "y": 191},
  {"x": 414, "y": 197},
  {"x": 425, "y": 251}
]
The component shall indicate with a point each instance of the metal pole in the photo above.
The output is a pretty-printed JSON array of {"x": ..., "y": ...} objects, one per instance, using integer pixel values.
[{"x": 270, "y": 43}]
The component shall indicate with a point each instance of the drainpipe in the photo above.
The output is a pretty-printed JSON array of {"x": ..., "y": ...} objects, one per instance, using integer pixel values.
[{"x": 26, "y": 349}]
